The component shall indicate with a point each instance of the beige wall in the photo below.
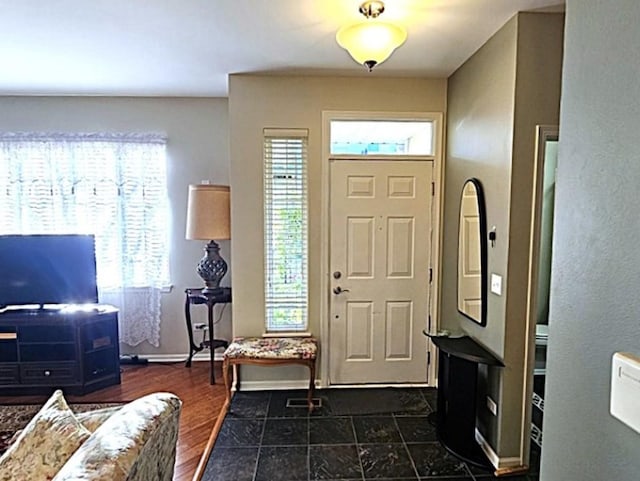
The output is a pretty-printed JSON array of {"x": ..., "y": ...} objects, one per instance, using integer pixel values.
[
  {"x": 495, "y": 101},
  {"x": 256, "y": 102},
  {"x": 479, "y": 144},
  {"x": 197, "y": 149},
  {"x": 538, "y": 80}
]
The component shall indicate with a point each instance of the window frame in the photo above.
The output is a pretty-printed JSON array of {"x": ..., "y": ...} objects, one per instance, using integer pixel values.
[{"x": 292, "y": 162}]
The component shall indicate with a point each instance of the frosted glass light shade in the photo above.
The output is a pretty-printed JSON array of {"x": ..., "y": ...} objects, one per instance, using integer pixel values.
[
  {"x": 208, "y": 215},
  {"x": 371, "y": 41}
]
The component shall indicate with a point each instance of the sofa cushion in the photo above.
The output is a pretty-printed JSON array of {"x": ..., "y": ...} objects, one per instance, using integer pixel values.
[
  {"x": 92, "y": 420},
  {"x": 45, "y": 444},
  {"x": 272, "y": 348},
  {"x": 137, "y": 443}
]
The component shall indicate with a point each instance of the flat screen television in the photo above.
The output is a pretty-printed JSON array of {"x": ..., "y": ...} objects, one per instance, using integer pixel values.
[{"x": 47, "y": 269}]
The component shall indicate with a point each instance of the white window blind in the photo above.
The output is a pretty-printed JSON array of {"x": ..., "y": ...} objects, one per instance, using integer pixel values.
[
  {"x": 285, "y": 230},
  {"x": 111, "y": 185}
]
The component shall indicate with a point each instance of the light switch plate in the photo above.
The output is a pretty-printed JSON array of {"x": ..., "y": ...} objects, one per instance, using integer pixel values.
[
  {"x": 625, "y": 389},
  {"x": 492, "y": 406},
  {"x": 496, "y": 284}
]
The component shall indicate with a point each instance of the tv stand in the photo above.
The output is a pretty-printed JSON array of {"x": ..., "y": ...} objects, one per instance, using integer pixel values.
[{"x": 69, "y": 348}]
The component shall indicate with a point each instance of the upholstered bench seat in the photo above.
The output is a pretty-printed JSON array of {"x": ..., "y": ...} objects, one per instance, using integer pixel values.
[{"x": 271, "y": 351}]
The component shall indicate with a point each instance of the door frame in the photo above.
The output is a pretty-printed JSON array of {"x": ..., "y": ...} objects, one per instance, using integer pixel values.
[
  {"x": 543, "y": 134},
  {"x": 436, "y": 219}
]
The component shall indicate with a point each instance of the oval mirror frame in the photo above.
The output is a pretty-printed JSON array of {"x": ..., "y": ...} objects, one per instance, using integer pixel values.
[{"x": 472, "y": 253}]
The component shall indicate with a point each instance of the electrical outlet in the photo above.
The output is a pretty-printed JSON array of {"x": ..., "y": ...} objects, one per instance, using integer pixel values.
[
  {"x": 496, "y": 284},
  {"x": 492, "y": 406}
]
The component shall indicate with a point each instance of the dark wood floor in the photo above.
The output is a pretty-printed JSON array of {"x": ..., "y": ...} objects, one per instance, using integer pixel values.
[{"x": 201, "y": 403}]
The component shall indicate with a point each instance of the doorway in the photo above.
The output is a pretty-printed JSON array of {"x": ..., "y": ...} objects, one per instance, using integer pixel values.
[
  {"x": 540, "y": 275},
  {"x": 382, "y": 235}
]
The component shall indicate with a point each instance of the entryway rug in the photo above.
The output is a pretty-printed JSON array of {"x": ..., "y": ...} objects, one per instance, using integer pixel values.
[
  {"x": 360, "y": 402},
  {"x": 16, "y": 416}
]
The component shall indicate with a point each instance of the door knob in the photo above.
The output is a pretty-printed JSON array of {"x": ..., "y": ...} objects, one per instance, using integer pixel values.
[{"x": 339, "y": 290}]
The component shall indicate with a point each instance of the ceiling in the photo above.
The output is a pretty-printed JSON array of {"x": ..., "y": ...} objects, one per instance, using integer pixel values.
[{"x": 188, "y": 47}]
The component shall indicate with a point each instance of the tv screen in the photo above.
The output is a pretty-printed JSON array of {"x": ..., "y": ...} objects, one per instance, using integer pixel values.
[{"x": 47, "y": 269}]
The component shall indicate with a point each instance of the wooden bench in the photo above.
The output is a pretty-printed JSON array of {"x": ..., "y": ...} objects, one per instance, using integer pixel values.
[{"x": 270, "y": 351}]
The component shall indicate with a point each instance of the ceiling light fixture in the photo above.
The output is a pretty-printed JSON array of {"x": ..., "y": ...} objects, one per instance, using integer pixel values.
[{"x": 372, "y": 41}]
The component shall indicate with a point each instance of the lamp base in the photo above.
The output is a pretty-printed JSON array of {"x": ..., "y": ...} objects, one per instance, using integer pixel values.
[{"x": 212, "y": 268}]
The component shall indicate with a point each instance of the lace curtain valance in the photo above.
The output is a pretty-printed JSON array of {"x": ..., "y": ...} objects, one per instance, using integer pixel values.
[{"x": 111, "y": 185}]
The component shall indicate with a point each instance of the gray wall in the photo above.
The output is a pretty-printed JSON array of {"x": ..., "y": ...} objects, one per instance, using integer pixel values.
[
  {"x": 595, "y": 276},
  {"x": 197, "y": 149},
  {"x": 495, "y": 100}
]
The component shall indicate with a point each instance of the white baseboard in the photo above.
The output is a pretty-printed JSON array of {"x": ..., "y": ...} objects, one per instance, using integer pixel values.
[
  {"x": 200, "y": 356},
  {"x": 246, "y": 385},
  {"x": 496, "y": 461}
]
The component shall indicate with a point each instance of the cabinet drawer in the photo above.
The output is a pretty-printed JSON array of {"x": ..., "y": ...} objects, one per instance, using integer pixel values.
[
  {"x": 9, "y": 374},
  {"x": 43, "y": 373},
  {"x": 46, "y": 333}
]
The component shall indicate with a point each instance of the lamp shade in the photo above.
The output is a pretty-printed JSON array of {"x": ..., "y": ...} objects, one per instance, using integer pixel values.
[
  {"x": 208, "y": 214},
  {"x": 371, "y": 42}
]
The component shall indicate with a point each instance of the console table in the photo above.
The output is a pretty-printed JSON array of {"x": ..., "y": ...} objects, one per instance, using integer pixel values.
[
  {"x": 196, "y": 297},
  {"x": 458, "y": 361}
]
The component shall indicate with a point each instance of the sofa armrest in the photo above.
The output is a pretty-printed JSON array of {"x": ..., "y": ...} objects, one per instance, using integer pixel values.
[{"x": 137, "y": 443}]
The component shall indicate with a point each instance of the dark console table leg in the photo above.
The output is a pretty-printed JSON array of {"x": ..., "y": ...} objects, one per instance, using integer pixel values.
[
  {"x": 210, "y": 299},
  {"x": 212, "y": 348},
  {"x": 213, "y": 343},
  {"x": 193, "y": 348}
]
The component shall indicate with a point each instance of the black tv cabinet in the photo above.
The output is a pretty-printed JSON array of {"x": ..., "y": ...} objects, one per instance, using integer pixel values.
[{"x": 75, "y": 350}]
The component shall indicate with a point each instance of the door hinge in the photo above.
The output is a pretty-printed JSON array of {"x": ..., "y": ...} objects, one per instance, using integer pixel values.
[
  {"x": 429, "y": 323},
  {"x": 428, "y": 357},
  {"x": 433, "y": 189},
  {"x": 430, "y": 275}
]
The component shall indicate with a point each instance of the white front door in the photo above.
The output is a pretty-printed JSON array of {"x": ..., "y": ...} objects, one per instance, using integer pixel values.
[{"x": 380, "y": 221}]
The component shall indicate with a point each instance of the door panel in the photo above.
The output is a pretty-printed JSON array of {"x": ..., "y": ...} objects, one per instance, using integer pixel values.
[
  {"x": 359, "y": 330},
  {"x": 360, "y": 236},
  {"x": 400, "y": 256},
  {"x": 380, "y": 243},
  {"x": 399, "y": 327}
]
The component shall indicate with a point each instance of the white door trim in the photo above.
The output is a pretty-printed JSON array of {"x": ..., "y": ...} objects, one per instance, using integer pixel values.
[
  {"x": 436, "y": 235},
  {"x": 543, "y": 134}
]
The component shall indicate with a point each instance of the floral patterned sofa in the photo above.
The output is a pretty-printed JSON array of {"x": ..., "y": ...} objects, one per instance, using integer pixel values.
[{"x": 134, "y": 442}]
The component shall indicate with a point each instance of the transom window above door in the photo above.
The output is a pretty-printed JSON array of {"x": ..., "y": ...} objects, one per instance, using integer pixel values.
[{"x": 382, "y": 137}]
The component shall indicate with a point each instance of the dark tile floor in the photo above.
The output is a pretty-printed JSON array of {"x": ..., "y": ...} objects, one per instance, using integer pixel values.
[{"x": 262, "y": 439}]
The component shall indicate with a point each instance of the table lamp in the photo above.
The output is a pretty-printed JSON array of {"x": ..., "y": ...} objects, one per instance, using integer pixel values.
[{"x": 208, "y": 218}]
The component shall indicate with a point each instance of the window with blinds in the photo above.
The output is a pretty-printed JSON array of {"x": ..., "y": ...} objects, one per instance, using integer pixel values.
[{"x": 285, "y": 230}]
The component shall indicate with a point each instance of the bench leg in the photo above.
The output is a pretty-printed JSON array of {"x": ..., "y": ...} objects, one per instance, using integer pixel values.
[
  {"x": 312, "y": 384},
  {"x": 226, "y": 374}
]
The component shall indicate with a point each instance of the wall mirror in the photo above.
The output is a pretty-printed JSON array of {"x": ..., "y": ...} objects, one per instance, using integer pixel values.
[{"x": 472, "y": 253}]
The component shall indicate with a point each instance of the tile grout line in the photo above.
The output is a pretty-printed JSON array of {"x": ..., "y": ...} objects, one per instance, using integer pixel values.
[
  {"x": 406, "y": 448},
  {"x": 264, "y": 427},
  {"x": 357, "y": 444}
]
